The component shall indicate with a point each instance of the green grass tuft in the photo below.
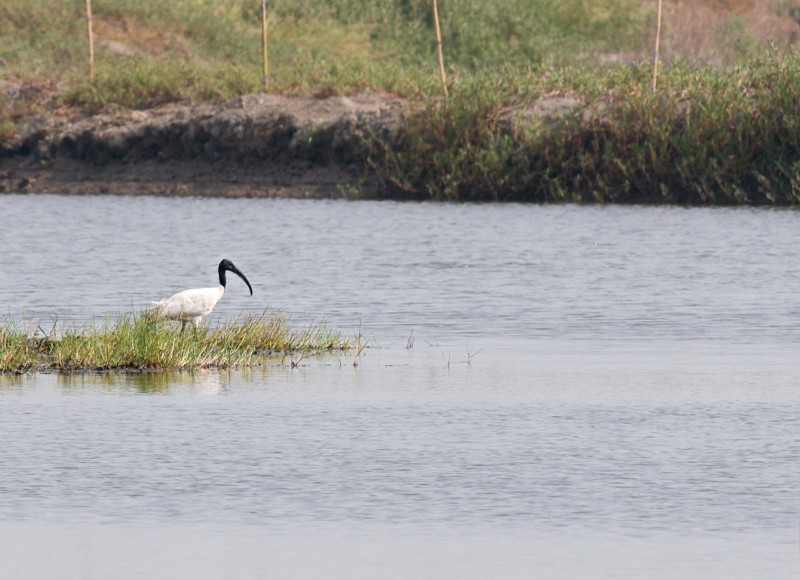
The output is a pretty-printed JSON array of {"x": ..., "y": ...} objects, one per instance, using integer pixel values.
[
  {"x": 17, "y": 352},
  {"x": 145, "y": 341}
]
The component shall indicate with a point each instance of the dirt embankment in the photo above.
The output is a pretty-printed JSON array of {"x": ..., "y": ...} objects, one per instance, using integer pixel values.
[
  {"x": 258, "y": 145},
  {"x": 270, "y": 145},
  {"x": 254, "y": 146}
]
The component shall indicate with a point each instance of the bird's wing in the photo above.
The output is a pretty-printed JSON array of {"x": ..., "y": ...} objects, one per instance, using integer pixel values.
[{"x": 189, "y": 303}]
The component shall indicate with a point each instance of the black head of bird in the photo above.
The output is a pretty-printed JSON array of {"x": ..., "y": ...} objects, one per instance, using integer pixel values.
[{"x": 227, "y": 265}]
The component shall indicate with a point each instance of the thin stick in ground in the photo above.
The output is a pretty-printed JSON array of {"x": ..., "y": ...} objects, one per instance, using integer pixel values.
[
  {"x": 439, "y": 46},
  {"x": 657, "y": 48},
  {"x": 91, "y": 38},
  {"x": 264, "y": 61}
]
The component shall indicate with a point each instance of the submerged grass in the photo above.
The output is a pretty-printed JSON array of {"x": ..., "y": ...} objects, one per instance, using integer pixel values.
[{"x": 145, "y": 341}]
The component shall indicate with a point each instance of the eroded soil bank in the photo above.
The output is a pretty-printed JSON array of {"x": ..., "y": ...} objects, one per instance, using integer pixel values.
[
  {"x": 258, "y": 145},
  {"x": 254, "y": 146}
]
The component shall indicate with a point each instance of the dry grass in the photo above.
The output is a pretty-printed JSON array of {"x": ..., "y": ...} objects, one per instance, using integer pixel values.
[
  {"x": 128, "y": 36},
  {"x": 719, "y": 31}
]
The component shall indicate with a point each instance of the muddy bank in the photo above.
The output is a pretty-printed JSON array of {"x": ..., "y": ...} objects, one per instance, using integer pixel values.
[
  {"x": 254, "y": 146},
  {"x": 258, "y": 145}
]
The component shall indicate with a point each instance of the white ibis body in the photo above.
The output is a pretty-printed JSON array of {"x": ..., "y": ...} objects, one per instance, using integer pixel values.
[{"x": 197, "y": 303}]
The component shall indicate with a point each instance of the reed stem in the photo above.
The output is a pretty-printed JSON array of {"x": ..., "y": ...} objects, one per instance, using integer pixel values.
[
  {"x": 264, "y": 71},
  {"x": 91, "y": 38},
  {"x": 657, "y": 48},
  {"x": 439, "y": 46}
]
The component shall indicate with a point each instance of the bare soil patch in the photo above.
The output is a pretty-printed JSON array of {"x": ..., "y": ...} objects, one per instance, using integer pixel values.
[
  {"x": 712, "y": 31},
  {"x": 259, "y": 145}
]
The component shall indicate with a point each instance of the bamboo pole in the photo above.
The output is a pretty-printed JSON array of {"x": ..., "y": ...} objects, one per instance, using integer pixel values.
[
  {"x": 264, "y": 69},
  {"x": 439, "y": 46},
  {"x": 91, "y": 38},
  {"x": 658, "y": 46}
]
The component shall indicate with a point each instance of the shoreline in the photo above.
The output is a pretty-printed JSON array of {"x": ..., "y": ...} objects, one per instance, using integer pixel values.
[
  {"x": 620, "y": 147},
  {"x": 254, "y": 146}
]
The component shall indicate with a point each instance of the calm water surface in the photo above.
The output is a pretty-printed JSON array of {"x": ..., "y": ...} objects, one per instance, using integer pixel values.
[{"x": 591, "y": 392}]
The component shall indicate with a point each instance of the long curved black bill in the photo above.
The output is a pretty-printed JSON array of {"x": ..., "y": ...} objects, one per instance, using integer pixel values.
[{"x": 243, "y": 277}]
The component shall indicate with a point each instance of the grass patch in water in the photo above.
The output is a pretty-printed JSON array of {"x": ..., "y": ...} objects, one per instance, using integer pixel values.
[
  {"x": 145, "y": 341},
  {"x": 18, "y": 354}
]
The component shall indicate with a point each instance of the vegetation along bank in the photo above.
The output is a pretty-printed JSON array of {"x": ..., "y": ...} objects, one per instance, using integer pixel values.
[{"x": 547, "y": 101}]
